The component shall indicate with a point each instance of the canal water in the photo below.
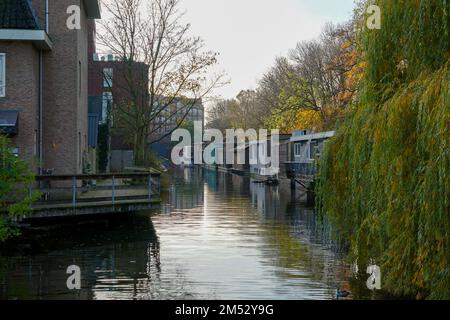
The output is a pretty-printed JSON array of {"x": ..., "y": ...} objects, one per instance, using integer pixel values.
[{"x": 216, "y": 236}]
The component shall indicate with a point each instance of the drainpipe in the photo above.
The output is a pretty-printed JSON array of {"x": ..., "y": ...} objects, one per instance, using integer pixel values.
[
  {"x": 46, "y": 16},
  {"x": 40, "y": 113},
  {"x": 41, "y": 80}
]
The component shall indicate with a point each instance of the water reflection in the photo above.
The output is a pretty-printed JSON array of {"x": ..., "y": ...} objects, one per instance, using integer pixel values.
[
  {"x": 216, "y": 236},
  {"x": 115, "y": 256},
  {"x": 248, "y": 240}
]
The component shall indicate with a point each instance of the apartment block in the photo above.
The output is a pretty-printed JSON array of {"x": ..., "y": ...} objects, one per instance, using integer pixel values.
[
  {"x": 178, "y": 111},
  {"x": 114, "y": 84},
  {"x": 44, "y": 81}
]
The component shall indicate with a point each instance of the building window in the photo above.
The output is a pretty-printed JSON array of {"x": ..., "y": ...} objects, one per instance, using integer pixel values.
[
  {"x": 297, "y": 149},
  {"x": 302, "y": 150},
  {"x": 15, "y": 151},
  {"x": 107, "y": 77},
  {"x": 2, "y": 74},
  {"x": 314, "y": 150},
  {"x": 107, "y": 101}
]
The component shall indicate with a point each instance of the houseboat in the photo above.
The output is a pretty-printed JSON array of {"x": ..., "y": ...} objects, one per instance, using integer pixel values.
[
  {"x": 190, "y": 154},
  {"x": 305, "y": 148},
  {"x": 260, "y": 152},
  {"x": 241, "y": 164},
  {"x": 213, "y": 160}
]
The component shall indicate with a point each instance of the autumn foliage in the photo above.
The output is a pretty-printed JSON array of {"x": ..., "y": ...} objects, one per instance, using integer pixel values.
[{"x": 384, "y": 178}]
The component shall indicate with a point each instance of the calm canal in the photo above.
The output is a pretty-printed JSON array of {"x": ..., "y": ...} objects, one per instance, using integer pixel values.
[{"x": 216, "y": 236}]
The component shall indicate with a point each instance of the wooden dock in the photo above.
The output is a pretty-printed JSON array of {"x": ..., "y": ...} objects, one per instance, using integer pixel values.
[{"x": 74, "y": 195}]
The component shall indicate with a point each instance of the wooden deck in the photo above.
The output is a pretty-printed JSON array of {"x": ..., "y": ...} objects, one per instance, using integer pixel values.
[
  {"x": 74, "y": 195},
  {"x": 91, "y": 208}
]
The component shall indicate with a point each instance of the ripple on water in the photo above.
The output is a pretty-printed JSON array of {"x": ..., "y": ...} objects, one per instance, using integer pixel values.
[{"x": 215, "y": 237}]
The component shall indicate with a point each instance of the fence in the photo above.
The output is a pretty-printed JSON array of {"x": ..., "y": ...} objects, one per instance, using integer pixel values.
[{"x": 97, "y": 189}]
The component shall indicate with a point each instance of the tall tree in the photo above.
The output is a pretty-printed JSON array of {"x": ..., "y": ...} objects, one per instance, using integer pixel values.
[
  {"x": 321, "y": 68},
  {"x": 384, "y": 176},
  {"x": 177, "y": 67},
  {"x": 220, "y": 114}
]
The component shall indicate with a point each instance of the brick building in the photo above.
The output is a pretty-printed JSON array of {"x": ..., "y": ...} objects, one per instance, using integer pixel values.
[
  {"x": 112, "y": 82},
  {"x": 44, "y": 82}
]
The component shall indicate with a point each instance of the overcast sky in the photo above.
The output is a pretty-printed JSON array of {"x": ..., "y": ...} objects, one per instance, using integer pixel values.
[{"x": 250, "y": 34}]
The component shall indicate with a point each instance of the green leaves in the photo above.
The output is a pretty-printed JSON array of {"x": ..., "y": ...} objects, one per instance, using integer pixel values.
[
  {"x": 384, "y": 178},
  {"x": 15, "y": 197}
]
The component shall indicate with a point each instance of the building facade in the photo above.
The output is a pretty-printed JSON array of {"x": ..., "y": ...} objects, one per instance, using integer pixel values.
[
  {"x": 44, "y": 81},
  {"x": 114, "y": 84},
  {"x": 181, "y": 109}
]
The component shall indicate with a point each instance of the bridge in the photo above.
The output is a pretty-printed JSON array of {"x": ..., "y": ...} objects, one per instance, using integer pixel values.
[{"x": 74, "y": 195}]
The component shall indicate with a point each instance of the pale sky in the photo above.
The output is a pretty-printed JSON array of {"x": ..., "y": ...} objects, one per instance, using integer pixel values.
[{"x": 250, "y": 34}]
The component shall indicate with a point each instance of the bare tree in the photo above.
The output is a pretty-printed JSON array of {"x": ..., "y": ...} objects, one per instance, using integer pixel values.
[
  {"x": 310, "y": 87},
  {"x": 242, "y": 112},
  {"x": 220, "y": 114},
  {"x": 151, "y": 33},
  {"x": 321, "y": 70},
  {"x": 272, "y": 83}
]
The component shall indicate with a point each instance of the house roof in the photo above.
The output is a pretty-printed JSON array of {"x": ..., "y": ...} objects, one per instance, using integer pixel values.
[
  {"x": 314, "y": 136},
  {"x": 17, "y": 14}
]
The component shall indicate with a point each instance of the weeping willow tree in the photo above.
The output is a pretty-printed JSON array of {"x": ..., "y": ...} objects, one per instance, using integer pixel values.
[{"x": 384, "y": 179}]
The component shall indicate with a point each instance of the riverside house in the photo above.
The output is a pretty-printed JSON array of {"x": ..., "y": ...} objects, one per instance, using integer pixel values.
[
  {"x": 305, "y": 148},
  {"x": 44, "y": 82},
  {"x": 261, "y": 152}
]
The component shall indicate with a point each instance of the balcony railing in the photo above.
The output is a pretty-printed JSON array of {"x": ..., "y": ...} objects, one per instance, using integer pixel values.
[
  {"x": 301, "y": 169},
  {"x": 98, "y": 189}
]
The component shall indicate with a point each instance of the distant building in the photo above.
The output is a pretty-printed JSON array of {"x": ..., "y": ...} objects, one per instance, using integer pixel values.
[
  {"x": 305, "y": 147},
  {"x": 179, "y": 111},
  {"x": 182, "y": 109},
  {"x": 260, "y": 152},
  {"x": 44, "y": 82},
  {"x": 112, "y": 81}
]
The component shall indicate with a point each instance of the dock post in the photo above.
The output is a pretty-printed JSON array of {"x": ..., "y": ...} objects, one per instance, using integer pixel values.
[
  {"x": 74, "y": 192},
  {"x": 113, "y": 191},
  {"x": 149, "y": 188},
  {"x": 310, "y": 193},
  {"x": 159, "y": 186},
  {"x": 293, "y": 184}
]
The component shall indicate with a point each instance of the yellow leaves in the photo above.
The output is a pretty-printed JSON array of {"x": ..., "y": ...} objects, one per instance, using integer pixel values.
[
  {"x": 388, "y": 159},
  {"x": 308, "y": 119},
  {"x": 346, "y": 44}
]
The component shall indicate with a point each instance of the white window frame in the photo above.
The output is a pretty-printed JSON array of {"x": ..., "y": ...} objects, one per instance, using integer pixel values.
[
  {"x": 298, "y": 149},
  {"x": 302, "y": 150},
  {"x": 108, "y": 76},
  {"x": 3, "y": 76}
]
